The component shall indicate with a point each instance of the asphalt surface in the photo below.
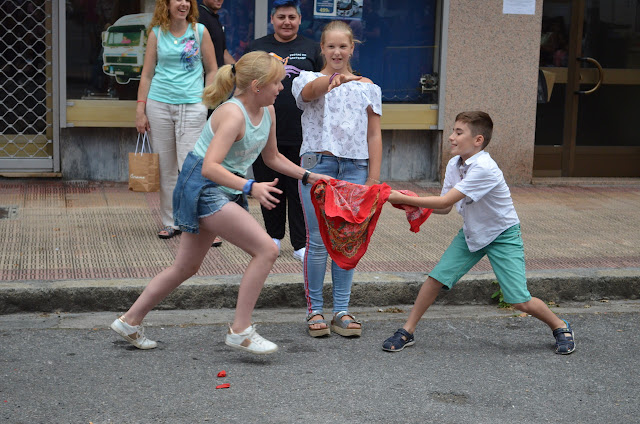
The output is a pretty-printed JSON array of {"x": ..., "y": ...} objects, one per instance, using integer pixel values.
[{"x": 470, "y": 364}]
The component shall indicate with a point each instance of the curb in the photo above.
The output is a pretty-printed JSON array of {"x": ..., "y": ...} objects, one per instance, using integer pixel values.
[{"x": 287, "y": 291}]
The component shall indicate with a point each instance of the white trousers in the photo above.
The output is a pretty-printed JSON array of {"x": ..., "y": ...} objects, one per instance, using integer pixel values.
[{"x": 174, "y": 131}]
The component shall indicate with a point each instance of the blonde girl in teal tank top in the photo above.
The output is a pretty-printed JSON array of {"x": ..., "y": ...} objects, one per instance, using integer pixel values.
[{"x": 204, "y": 210}]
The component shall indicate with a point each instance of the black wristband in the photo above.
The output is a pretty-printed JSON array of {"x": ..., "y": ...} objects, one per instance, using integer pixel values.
[{"x": 305, "y": 177}]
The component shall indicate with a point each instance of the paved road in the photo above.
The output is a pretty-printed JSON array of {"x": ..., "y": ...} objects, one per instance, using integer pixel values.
[{"x": 471, "y": 364}]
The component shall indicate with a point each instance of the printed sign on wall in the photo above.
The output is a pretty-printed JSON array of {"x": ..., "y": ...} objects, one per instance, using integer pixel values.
[{"x": 338, "y": 9}]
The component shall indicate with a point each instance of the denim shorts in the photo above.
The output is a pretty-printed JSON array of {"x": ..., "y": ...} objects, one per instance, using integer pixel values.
[
  {"x": 197, "y": 197},
  {"x": 506, "y": 254}
]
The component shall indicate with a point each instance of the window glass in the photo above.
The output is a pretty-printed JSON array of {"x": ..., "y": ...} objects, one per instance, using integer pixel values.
[
  {"x": 109, "y": 70},
  {"x": 106, "y": 41},
  {"x": 238, "y": 18},
  {"x": 397, "y": 43}
]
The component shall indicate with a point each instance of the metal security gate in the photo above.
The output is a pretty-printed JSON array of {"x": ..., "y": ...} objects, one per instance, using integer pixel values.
[{"x": 29, "y": 125}]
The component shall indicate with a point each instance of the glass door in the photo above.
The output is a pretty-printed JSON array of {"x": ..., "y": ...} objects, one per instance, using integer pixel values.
[{"x": 589, "y": 89}]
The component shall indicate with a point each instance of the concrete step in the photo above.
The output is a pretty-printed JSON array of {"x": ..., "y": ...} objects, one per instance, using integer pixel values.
[{"x": 287, "y": 291}]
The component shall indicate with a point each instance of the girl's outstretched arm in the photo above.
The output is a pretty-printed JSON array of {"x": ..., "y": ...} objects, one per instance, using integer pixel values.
[
  {"x": 279, "y": 163},
  {"x": 322, "y": 85},
  {"x": 439, "y": 204}
]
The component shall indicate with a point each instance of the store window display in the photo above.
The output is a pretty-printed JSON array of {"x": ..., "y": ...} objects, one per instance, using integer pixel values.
[{"x": 106, "y": 40}]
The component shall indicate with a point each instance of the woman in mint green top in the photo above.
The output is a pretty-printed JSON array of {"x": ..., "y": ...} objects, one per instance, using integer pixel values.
[
  {"x": 179, "y": 59},
  {"x": 210, "y": 196},
  {"x": 179, "y": 72}
]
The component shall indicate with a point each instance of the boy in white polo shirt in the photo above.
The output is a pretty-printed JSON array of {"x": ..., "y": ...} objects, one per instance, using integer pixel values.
[{"x": 475, "y": 185}]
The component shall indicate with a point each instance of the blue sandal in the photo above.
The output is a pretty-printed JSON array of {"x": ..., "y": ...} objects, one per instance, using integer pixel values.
[
  {"x": 400, "y": 339},
  {"x": 565, "y": 343}
]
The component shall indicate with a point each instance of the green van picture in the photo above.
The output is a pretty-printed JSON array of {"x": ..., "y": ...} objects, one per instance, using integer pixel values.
[{"x": 124, "y": 44}]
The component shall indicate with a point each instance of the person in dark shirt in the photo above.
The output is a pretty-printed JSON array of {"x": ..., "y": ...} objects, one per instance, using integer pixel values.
[
  {"x": 297, "y": 53},
  {"x": 211, "y": 20}
]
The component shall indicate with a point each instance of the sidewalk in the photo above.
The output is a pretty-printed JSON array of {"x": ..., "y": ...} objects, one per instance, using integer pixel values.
[{"x": 84, "y": 246}]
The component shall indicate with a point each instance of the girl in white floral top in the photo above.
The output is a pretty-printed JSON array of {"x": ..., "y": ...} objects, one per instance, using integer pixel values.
[{"x": 341, "y": 138}]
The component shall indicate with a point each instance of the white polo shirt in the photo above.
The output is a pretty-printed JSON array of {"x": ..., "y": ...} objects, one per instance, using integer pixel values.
[{"x": 487, "y": 209}]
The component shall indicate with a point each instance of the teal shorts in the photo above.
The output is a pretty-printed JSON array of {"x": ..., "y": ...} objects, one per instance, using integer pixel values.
[{"x": 506, "y": 254}]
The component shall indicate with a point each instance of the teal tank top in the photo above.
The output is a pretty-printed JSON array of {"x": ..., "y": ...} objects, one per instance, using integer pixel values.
[
  {"x": 179, "y": 74},
  {"x": 244, "y": 151}
]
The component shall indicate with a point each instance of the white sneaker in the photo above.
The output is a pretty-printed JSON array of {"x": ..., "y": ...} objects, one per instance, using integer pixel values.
[
  {"x": 250, "y": 341},
  {"x": 299, "y": 254},
  {"x": 277, "y": 242},
  {"x": 134, "y": 334}
]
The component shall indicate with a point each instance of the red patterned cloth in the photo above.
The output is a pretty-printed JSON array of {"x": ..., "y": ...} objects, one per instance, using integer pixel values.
[
  {"x": 347, "y": 215},
  {"x": 415, "y": 215}
]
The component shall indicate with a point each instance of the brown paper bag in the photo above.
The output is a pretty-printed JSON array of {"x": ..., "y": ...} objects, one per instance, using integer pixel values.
[{"x": 144, "y": 168}]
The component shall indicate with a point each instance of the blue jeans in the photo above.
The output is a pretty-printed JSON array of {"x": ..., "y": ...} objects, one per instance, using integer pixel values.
[{"x": 315, "y": 259}]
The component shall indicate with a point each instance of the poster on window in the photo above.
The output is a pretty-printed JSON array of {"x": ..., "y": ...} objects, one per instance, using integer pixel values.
[
  {"x": 123, "y": 47},
  {"x": 338, "y": 9}
]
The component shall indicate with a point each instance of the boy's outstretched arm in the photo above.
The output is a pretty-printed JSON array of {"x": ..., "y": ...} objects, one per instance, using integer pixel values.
[{"x": 439, "y": 204}]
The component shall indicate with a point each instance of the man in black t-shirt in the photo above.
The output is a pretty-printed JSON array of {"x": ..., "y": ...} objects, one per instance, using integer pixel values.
[
  {"x": 297, "y": 53},
  {"x": 210, "y": 19}
]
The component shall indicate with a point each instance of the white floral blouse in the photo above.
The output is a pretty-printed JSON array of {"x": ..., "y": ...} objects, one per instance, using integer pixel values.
[{"x": 337, "y": 122}]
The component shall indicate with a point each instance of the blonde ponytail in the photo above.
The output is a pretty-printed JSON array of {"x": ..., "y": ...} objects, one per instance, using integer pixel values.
[
  {"x": 255, "y": 66},
  {"x": 220, "y": 89}
]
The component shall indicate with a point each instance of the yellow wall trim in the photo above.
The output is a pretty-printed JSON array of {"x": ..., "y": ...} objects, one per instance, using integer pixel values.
[{"x": 122, "y": 114}]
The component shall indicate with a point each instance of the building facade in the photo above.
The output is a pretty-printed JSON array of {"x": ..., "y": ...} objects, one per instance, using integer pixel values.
[{"x": 561, "y": 79}]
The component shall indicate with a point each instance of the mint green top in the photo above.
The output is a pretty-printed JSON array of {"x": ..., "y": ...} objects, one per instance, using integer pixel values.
[
  {"x": 244, "y": 151},
  {"x": 179, "y": 74}
]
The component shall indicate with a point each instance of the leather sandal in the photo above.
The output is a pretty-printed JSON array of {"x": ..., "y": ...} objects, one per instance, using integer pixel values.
[
  {"x": 320, "y": 331},
  {"x": 400, "y": 339},
  {"x": 565, "y": 341},
  {"x": 340, "y": 326},
  {"x": 170, "y": 232}
]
